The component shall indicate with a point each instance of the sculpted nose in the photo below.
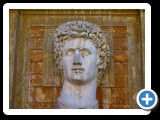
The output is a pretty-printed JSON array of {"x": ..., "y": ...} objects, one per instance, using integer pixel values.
[{"x": 77, "y": 58}]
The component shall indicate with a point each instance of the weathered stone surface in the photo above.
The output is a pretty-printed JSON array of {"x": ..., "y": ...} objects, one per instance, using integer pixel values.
[
  {"x": 13, "y": 22},
  {"x": 36, "y": 55},
  {"x": 119, "y": 96},
  {"x": 119, "y": 32},
  {"x": 45, "y": 94},
  {"x": 120, "y": 43},
  {"x": 32, "y": 67},
  {"x": 36, "y": 80},
  {"x": 120, "y": 58},
  {"x": 33, "y": 43},
  {"x": 118, "y": 68},
  {"x": 39, "y": 43},
  {"x": 39, "y": 68},
  {"x": 121, "y": 52},
  {"x": 106, "y": 98},
  {"x": 36, "y": 43},
  {"x": 121, "y": 80},
  {"x": 125, "y": 68},
  {"x": 37, "y": 32},
  {"x": 117, "y": 43},
  {"x": 32, "y": 94},
  {"x": 120, "y": 55},
  {"x": 124, "y": 44}
]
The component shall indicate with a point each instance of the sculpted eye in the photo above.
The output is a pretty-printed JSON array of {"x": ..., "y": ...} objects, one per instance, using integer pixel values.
[
  {"x": 70, "y": 52},
  {"x": 85, "y": 52}
]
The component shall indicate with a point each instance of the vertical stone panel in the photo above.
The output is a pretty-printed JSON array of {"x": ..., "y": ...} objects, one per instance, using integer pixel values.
[
  {"x": 142, "y": 34},
  {"x": 13, "y": 22},
  {"x": 134, "y": 56},
  {"x": 120, "y": 94},
  {"x": 36, "y": 69},
  {"x": 49, "y": 67},
  {"x": 20, "y": 65}
]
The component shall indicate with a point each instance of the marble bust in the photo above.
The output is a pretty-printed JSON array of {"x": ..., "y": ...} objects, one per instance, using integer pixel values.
[{"x": 81, "y": 53}]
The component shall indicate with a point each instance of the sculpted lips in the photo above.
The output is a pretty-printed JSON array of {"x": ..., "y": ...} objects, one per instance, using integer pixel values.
[{"x": 77, "y": 69}]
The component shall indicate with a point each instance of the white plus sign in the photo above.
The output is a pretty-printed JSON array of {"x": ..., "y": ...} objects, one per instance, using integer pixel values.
[{"x": 147, "y": 99}]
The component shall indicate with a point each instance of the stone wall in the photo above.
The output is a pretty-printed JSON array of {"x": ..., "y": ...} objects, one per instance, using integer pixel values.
[{"x": 35, "y": 81}]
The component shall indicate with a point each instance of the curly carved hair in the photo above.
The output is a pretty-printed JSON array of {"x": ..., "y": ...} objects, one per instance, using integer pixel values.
[{"x": 81, "y": 29}]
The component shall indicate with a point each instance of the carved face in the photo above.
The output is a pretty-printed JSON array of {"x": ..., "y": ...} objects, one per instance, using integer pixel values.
[{"x": 80, "y": 61}]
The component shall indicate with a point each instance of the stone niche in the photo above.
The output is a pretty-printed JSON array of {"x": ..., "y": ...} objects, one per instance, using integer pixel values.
[{"x": 35, "y": 81}]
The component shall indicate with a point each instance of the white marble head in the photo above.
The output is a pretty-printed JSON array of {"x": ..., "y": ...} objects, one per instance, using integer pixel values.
[{"x": 80, "y": 50}]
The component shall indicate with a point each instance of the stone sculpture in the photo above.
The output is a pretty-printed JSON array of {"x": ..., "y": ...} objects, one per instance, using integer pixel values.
[{"x": 81, "y": 53}]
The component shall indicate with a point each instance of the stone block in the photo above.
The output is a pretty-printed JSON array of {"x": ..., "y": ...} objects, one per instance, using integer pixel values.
[
  {"x": 100, "y": 95},
  {"x": 119, "y": 96},
  {"x": 119, "y": 31},
  {"x": 33, "y": 43},
  {"x": 44, "y": 94},
  {"x": 40, "y": 95},
  {"x": 36, "y": 80},
  {"x": 120, "y": 43},
  {"x": 36, "y": 55},
  {"x": 58, "y": 91},
  {"x": 121, "y": 80},
  {"x": 124, "y": 44},
  {"x": 39, "y": 43},
  {"x": 118, "y": 68},
  {"x": 103, "y": 95},
  {"x": 121, "y": 52},
  {"x": 116, "y": 96},
  {"x": 32, "y": 68},
  {"x": 36, "y": 43},
  {"x": 108, "y": 96},
  {"x": 125, "y": 68},
  {"x": 120, "y": 58},
  {"x": 39, "y": 68},
  {"x": 125, "y": 96},
  {"x": 117, "y": 43},
  {"x": 31, "y": 96},
  {"x": 120, "y": 55},
  {"x": 55, "y": 94},
  {"x": 37, "y": 31}
]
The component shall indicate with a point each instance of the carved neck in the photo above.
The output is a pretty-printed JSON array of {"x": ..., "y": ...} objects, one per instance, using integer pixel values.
[{"x": 79, "y": 95}]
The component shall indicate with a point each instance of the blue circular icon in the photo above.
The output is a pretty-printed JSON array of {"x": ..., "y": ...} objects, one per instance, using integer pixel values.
[{"x": 147, "y": 99}]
